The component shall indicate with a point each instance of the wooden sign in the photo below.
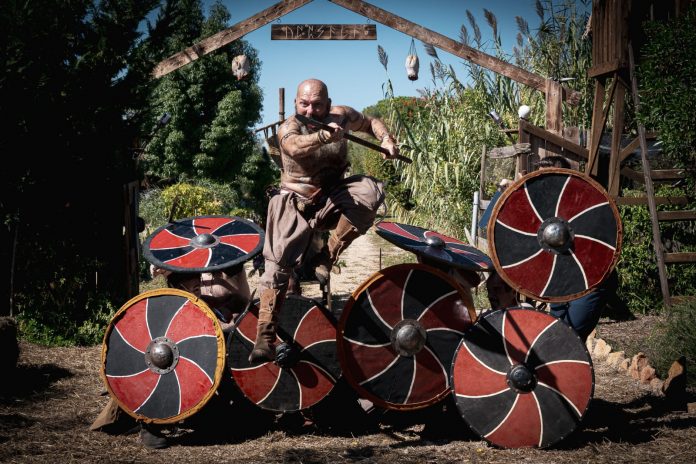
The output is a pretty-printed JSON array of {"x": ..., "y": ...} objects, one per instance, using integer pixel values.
[{"x": 323, "y": 32}]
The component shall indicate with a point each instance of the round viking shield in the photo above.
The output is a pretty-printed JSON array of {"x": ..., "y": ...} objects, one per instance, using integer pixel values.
[
  {"x": 522, "y": 378},
  {"x": 163, "y": 356},
  {"x": 554, "y": 235},
  {"x": 435, "y": 246},
  {"x": 306, "y": 368},
  {"x": 203, "y": 243},
  {"x": 398, "y": 333}
]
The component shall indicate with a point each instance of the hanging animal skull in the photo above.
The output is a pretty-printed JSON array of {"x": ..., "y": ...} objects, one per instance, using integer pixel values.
[
  {"x": 412, "y": 67},
  {"x": 240, "y": 67}
]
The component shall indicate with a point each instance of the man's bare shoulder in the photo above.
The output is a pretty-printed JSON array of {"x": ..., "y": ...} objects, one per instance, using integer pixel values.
[
  {"x": 341, "y": 109},
  {"x": 346, "y": 116},
  {"x": 289, "y": 126}
]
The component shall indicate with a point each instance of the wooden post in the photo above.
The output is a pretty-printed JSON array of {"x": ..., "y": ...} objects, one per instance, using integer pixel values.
[
  {"x": 281, "y": 104},
  {"x": 554, "y": 107},
  {"x": 616, "y": 135},
  {"x": 523, "y": 137},
  {"x": 130, "y": 242},
  {"x": 554, "y": 115},
  {"x": 599, "y": 120},
  {"x": 482, "y": 183}
]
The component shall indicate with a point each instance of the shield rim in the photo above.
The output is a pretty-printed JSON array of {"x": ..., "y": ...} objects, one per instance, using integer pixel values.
[
  {"x": 147, "y": 254},
  {"x": 434, "y": 258},
  {"x": 584, "y": 347},
  {"x": 340, "y": 347},
  {"x": 490, "y": 233},
  {"x": 230, "y": 336},
  {"x": 220, "y": 363}
]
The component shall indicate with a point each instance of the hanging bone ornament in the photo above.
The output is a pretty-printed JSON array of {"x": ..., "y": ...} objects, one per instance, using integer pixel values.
[{"x": 240, "y": 67}]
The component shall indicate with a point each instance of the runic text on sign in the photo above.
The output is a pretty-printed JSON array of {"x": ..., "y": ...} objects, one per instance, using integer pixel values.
[{"x": 323, "y": 32}]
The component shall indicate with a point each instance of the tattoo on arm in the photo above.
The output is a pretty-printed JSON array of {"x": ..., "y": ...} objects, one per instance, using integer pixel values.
[{"x": 296, "y": 144}]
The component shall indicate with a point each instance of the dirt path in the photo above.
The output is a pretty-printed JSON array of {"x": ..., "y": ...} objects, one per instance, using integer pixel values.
[
  {"x": 365, "y": 256},
  {"x": 47, "y": 406}
]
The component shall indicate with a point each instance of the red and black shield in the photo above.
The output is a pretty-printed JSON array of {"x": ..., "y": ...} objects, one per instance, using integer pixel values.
[
  {"x": 203, "y": 243},
  {"x": 163, "y": 356},
  {"x": 398, "y": 333},
  {"x": 306, "y": 368},
  {"x": 435, "y": 246},
  {"x": 522, "y": 378},
  {"x": 554, "y": 235}
]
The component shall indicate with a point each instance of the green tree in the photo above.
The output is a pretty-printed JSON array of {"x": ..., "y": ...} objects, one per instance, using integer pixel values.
[
  {"x": 212, "y": 113},
  {"x": 72, "y": 75}
]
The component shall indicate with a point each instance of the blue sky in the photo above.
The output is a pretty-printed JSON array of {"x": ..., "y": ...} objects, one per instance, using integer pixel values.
[{"x": 351, "y": 69}]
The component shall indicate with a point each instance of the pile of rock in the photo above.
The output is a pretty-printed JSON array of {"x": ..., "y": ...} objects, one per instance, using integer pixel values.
[{"x": 673, "y": 388}]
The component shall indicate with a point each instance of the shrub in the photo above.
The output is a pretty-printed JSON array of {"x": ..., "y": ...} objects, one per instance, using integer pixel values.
[
  {"x": 202, "y": 198},
  {"x": 673, "y": 337},
  {"x": 667, "y": 80},
  {"x": 639, "y": 278},
  {"x": 67, "y": 311}
]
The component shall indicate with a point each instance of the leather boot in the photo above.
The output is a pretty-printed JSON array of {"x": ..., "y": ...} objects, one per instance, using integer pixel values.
[
  {"x": 342, "y": 236},
  {"x": 294, "y": 286},
  {"x": 271, "y": 300}
]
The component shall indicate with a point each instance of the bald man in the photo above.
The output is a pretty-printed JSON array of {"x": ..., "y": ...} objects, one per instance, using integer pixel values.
[{"x": 315, "y": 196}]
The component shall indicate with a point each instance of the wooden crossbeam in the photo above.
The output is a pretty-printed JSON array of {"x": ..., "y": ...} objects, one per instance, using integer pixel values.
[
  {"x": 556, "y": 139},
  {"x": 226, "y": 36},
  {"x": 456, "y": 48},
  {"x": 680, "y": 258},
  {"x": 684, "y": 215},
  {"x": 631, "y": 147},
  {"x": 657, "y": 175},
  {"x": 642, "y": 201}
]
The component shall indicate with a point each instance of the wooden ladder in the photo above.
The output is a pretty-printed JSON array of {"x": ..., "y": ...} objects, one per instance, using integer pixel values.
[{"x": 649, "y": 176}]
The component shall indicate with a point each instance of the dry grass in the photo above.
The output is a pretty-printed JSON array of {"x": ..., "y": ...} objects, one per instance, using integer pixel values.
[{"x": 46, "y": 408}]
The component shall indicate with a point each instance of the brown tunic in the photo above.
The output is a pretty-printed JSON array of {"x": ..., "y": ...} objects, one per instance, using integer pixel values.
[{"x": 320, "y": 169}]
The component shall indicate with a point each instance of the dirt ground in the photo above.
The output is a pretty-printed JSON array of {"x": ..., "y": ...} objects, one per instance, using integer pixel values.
[{"x": 47, "y": 406}]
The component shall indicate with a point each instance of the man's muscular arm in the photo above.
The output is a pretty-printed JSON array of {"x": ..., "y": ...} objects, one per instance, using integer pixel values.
[
  {"x": 357, "y": 121},
  {"x": 297, "y": 144}
]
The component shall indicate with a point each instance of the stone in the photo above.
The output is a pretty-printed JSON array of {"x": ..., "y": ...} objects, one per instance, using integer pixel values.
[
  {"x": 615, "y": 358},
  {"x": 625, "y": 364},
  {"x": 638, "y": 363},
  {"x": 674, "y": 387},
  {"x": 656, "y": 386},
  {"x": 601, "y": 349},
  {"x": 647, "y": 374},
  {"x": 589, "y": 344}
]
